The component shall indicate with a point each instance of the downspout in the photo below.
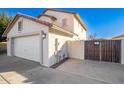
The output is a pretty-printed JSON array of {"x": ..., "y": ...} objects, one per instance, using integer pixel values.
[
  {"x": 43, "y": 36},
  {"x": 100, "y": 50},
  {"x": 41, "y": 48}
]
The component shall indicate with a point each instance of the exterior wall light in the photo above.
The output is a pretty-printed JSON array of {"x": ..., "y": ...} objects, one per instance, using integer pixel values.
[{"x": 43, "y": 35}]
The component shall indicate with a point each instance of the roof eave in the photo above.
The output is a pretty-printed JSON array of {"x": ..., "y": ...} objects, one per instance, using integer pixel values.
[
  {"x": 119, "y": 36},
  {"x": 80, "y": 21},
  {"x": 73, "y": 13},
  {"x": 9, "y": 26},
  {"x": 62, "y": 30},
  {"x": 24, "y": 16}
]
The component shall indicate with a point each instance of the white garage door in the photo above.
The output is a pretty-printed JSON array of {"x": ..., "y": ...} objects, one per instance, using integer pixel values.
[{"x": 27, "y": 47}]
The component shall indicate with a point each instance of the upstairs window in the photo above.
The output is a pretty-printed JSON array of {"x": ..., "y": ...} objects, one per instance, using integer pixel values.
[
  {"x": 20, "y": 25},
  {"x": 64, "y": 22}
]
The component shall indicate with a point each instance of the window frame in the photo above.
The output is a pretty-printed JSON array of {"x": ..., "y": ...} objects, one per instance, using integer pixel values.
[{"x": 20, "y": 25}]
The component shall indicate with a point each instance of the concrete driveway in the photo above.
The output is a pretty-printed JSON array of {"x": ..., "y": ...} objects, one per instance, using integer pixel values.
[
  {"x": 17, "y": 70},
  {"x": 101, "y": 71}
]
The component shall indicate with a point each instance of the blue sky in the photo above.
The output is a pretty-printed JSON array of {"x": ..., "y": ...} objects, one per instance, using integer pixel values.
[{"x": 105, "y": 22}]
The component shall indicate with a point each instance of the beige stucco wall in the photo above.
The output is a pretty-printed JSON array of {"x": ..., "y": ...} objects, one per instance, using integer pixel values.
[
  {"x": 79, "y": 30},
  {"x": 46, "y": 19},
  {"x": 60, "y": 16},
  {"x": 9, "y": 49},
  {"x": 49, "y": 52},
  {"x": 62, "y": 47},
  {"x": 76, "y": 49},
  {"x": 29, "y": 27},
  {"x": 73, "y": 24}
]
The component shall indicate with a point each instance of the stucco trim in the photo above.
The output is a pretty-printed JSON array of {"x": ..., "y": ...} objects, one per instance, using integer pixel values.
[
  {"x": 62, "y": 30},
  {"x": 25, "y": 34}
]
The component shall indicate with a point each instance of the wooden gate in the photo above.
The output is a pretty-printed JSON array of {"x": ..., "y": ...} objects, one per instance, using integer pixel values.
[{"x": 103, "y": 50}]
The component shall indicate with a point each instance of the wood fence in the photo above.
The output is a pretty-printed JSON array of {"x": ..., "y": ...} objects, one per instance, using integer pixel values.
[{"x": 103, "y": 50}]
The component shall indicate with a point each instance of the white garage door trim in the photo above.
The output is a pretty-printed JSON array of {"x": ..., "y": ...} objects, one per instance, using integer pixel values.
[{"x": 39, "y": 43}]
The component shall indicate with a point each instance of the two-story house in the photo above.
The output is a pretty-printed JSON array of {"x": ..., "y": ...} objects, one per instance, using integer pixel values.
[{"x": 44, "y": 39}]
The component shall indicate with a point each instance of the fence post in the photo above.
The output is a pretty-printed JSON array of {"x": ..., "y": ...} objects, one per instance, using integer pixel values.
[
  {"x": 100, "y": 51},
  {"x": 122, "y": 51}
]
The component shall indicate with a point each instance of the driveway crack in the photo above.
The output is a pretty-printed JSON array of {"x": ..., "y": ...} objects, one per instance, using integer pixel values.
[{"x": 5, "y": 79}]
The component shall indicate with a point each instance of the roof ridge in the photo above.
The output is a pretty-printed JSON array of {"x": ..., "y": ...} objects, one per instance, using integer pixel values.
[
  {"x": 61, "y": 10},
  {"x": 26, "y": 15},
  {"x": 56, "y": 10}
]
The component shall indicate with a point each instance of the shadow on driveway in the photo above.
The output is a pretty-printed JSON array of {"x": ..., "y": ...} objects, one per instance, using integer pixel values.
[
  {"x": 17, "y": 70},
  {"x": 13, "y": 69}
]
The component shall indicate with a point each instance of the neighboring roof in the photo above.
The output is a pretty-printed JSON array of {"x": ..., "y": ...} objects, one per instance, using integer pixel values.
[
  {"x": 119, "y": 36},
  {"x": 10, "y": 25},
  {"x": 73, "y": 13},
  {"x": 52, "y": 17}
]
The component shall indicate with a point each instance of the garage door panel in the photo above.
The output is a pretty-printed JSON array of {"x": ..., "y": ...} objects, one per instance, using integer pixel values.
[{"x": 27, "y": 47}]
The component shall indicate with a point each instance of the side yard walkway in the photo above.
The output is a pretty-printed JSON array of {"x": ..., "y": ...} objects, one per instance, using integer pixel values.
[{"x": 102, "y": 71}]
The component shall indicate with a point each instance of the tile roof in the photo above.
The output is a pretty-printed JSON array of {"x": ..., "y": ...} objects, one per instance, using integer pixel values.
[
  {"x": 27, "y": 17},
  {"x": 73, "y": 13},
  {"x": 119, "y": 36},
  {"x": 52, "y": 17}
]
